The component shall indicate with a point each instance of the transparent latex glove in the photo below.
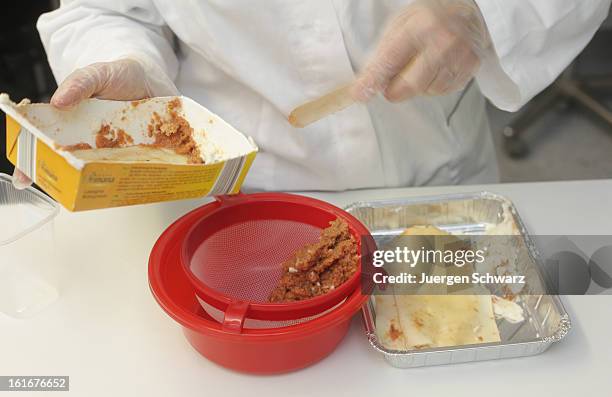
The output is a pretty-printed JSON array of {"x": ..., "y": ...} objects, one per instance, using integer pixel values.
[
  {"x": 126, "y": 79},
  {"x": 432, "y": 47}
]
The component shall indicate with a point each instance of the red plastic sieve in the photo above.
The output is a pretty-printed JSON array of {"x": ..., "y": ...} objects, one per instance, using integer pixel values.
[
  {"x": 233, "y": 254},
  {"x": 261, "y": 351}
]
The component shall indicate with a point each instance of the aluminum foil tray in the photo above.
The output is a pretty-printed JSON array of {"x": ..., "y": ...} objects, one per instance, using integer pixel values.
[{"x": 546, "y": 320}]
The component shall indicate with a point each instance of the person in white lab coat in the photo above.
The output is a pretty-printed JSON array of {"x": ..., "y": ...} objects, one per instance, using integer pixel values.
[{"x": 251, "y": 62}]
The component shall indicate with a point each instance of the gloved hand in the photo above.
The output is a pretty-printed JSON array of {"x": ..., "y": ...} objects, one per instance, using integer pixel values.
[
  {"x": 432, "y": 47},
  {"x": 125, "y": 79}
]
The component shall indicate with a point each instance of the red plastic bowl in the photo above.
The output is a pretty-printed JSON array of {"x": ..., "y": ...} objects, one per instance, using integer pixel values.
[
  {"x": 231, "y": 236},
  {"x": 261, "y": 351}
]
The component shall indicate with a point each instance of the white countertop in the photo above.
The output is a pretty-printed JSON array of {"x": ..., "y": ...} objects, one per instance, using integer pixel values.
[{"x": 108, "y": 334}]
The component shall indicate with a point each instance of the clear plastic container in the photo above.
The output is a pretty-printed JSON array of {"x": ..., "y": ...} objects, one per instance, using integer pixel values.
[{"x": 29, "y": 275}]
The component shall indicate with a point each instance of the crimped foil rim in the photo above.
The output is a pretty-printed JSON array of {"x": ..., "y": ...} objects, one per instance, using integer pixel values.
[{"x": 565, "y": 325}]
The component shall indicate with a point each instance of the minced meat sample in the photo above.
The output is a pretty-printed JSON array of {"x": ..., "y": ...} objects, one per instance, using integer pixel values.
[
  {"x": 108, "y": 137},
  {"x": 75, "y": 147},
  {"x": 174, "y": 133},
  {"x": 318, "y": 268}
]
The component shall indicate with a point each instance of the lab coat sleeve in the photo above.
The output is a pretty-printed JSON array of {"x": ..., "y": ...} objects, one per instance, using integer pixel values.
[
  {"x": 83, "y": 32},
  {"x": 533, "y": 42}
]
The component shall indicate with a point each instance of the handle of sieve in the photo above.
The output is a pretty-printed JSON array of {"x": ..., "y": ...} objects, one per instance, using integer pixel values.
[
  {"x": 235, "y": 313},
  {"x": 227, "y": 199}
]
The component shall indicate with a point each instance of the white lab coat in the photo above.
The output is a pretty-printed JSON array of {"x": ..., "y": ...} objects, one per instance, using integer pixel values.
[{"x": 251, "y": 62}]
